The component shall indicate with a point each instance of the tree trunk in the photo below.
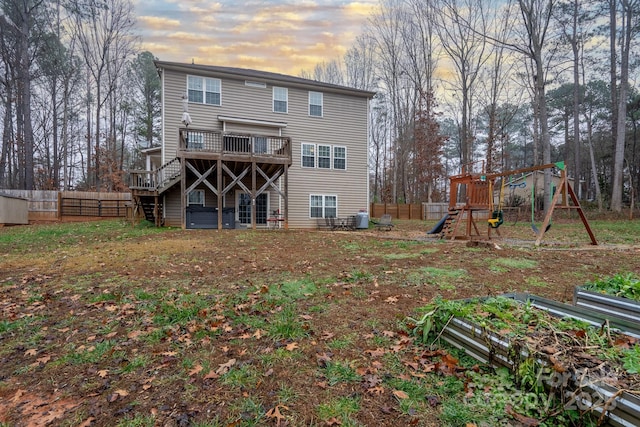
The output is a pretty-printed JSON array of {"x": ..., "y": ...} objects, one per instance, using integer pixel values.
[
  {"x": 576, "y": 101},
  {"x": 618, "y": 158}
]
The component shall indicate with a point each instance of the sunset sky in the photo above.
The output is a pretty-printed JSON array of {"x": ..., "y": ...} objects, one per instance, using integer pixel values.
[{"x": 284, "y": 36}]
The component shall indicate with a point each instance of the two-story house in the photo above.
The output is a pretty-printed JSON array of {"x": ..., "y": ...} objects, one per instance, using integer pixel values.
[{"x": 242, "y": 148}]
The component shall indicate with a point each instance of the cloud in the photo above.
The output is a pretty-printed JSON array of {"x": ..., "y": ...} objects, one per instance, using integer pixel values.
[
  {"x": 360, "y": 9},
  {"x": 277, "y": 35},
  {"x": 184, "y": 37},
  {"x": 158, "y": 22}
]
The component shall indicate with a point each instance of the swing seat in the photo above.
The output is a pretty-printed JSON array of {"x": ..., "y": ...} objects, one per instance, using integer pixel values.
[{"x": 496, "y": 220}]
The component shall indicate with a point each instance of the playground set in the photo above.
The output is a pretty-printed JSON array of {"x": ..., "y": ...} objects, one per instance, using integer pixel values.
[{"x": 462, "y": 219}]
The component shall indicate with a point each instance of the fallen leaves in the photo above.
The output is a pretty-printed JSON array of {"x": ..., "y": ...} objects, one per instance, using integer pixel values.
[
  {"x": 275, "y": 413},
  {"x": 400, "y": 394},
  {"x": 391, "y": 300},
  {"x": 223, "y": 368},
  {"x": 117, "y": 395},
  {"x": 378, "y": 352},
  {"x": 195, "y": 370},
  {"x": 41, "y": 361}
]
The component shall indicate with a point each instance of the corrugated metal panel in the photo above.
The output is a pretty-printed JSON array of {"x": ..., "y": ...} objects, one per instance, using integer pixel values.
[
  {"x": 590, "y": 316},
  {"x": 489, "y": 347},
  {"x": 610, "y": 305}
]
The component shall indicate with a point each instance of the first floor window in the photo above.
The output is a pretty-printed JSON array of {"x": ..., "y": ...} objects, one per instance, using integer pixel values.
[
  {"x": 194, "y": 140},
  {"x": 260, "y": 144},
  {"x": 196, "y": 198},
  {"x": 323, "y": 206}
]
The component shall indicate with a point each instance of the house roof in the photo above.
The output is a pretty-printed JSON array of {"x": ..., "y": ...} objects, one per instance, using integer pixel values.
[{"x": 262, "y": 76}]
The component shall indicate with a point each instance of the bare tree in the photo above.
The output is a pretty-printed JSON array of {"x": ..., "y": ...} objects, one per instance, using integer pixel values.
[
  {"x": 536, "y": 19},
  {"x": 462, "y": 24},
  {"x": 104, "y": 33},
  {"x": 387, "y": 32},
  {"x": 359, "y": 62},
  {"x": 328, "y": 72},
  {"x": 19, "y": 26},
  {"x": 629, "y": 14},
  {"x": 496, "y": 89}
]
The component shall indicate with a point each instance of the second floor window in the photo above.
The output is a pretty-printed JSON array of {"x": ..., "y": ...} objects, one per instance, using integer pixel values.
[
  {"x": 308, "y": 155},
  {"x": 339, "y": 157},
  {"x": 203, "y": 90},
  {"x": 315, "y": 104},
  {"x": 280, "y": 99},
  {"x": 323, "y": 156}
]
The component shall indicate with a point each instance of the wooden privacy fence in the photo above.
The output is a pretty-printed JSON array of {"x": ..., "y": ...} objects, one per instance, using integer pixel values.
[
  {"x": 54, "y": 205},
  {"x": 71, "y": 206},
  {"x": 397, "y": 211},
  {"x": 418, "y": 211},
  {"x": 93, "y": 204}
]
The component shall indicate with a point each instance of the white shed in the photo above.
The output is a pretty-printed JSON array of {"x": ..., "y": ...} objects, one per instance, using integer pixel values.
[{"x": 13, "y": 210}]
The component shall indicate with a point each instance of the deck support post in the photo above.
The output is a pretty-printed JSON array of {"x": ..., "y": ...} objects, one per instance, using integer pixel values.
[
  {"x": 220, "y": 194},
  {"x": 183, "y": 193},
  {"x": 254, "y": 196}
]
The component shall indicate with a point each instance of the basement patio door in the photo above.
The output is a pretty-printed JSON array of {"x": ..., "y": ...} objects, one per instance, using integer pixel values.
[{"x": 243, "y": 207}]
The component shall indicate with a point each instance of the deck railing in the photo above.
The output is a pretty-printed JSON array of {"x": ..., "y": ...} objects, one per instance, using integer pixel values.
[
  {"x": 216, "y": 142},
  {"x": 209, "y": 141},
  {"x": 156, "y": 179}
]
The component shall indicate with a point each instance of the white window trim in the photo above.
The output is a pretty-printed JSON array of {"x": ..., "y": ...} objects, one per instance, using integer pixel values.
[
  {"x": 302, "y": 156},
  {"x": 273, "y": 101},
  {"x": 321, "y": 104},
  {"x": 204, "y": 90},
  {"x": 333, "y": 157},
  {"x": 324, "y": 206},
  {"x": 330, "y": 156},
  {"x": 237, "y": 204},
  {"x": 316, "y": 156},
  {"x": 196, "y": 204}
]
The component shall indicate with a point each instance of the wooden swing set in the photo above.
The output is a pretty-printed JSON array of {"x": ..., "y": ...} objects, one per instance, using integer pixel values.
[{"x": 461, "y": 221}]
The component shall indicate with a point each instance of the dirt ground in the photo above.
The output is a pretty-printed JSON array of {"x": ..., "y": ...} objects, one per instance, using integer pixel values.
[{"x": 180, "y": 328}]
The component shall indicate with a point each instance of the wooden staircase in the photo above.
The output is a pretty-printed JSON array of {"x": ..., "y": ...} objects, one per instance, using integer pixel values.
[
  {"x": 148, "y": 186},
  {"x": 151, "y": 208}
]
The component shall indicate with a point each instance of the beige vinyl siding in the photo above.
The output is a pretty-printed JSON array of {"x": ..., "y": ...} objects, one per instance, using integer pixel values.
[
  {"x": 251, "y": 129},
  {"x": 171, "y": 202},
  {"x": 344, "y": 123}
]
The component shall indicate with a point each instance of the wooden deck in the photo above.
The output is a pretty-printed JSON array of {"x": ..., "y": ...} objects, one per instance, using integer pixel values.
[
  {"x": 222, "y": 162},
  {"x": 209, "y": 145},
  {"x": 234, "y": 147}
]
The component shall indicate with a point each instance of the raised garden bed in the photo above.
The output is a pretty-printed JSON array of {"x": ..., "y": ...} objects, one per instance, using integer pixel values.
[
  {"x": 617, "y": 297},
  {"x": 590, "y": 369}
]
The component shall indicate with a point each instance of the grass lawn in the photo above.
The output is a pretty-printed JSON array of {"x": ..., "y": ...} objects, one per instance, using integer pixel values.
[{"x": 105, "y": 324}]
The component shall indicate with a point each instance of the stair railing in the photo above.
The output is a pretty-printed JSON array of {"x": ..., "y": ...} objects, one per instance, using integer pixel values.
[
  {"x": 167, "y": 173},
  {"x": 156, "y": 180}
]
